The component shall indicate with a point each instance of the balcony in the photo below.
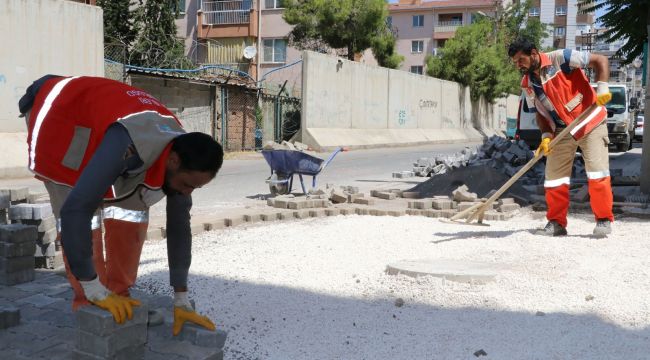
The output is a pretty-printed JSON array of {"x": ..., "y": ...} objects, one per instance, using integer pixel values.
[
  {"x": 446, "y": 29},
  {"x": 226, "y": 12}
]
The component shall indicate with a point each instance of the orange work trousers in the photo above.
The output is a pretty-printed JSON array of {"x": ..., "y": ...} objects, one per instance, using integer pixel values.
[{"x": 117, "y": 236}]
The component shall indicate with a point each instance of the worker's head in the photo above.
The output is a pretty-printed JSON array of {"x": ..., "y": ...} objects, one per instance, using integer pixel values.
[
  {"x": 193, "y": 162},
  {"x": 524, "y": 55}
]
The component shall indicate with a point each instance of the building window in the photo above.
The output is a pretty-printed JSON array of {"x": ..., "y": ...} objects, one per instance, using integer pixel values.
[
  {"x": 534, "y": 11},
  {"x": 560, "y": 10},
  {"x": 274, "y": 4},
  {"x": 560, "y": 31},
  {"x": 418, "y": 20},
  {"x": 417, "y": 69},
  {"x": 275, "y": 50},
  {"x": 417, "y": 46}
]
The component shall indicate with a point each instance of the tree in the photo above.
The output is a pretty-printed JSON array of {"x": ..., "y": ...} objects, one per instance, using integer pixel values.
[
  {"x": 477, "y": 54},
  {"x": 354, "y": 25},
  {"x": 383, "y": 48},
  {"x": 156, "y": 44},
  {"x": 118, "y": 22},
  {"x": 622, "y": 19}
]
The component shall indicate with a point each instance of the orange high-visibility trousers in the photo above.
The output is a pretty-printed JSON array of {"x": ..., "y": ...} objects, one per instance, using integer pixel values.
[{"x": 559, "y": 165}]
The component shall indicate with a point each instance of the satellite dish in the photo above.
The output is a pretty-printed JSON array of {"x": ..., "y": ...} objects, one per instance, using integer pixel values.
[{"x": 250, "y": 52}]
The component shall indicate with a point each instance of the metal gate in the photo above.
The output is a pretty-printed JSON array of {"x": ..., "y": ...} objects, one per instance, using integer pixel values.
[
  {"x": 284, "y": 112},
  {"x": 238, "y": 121}
]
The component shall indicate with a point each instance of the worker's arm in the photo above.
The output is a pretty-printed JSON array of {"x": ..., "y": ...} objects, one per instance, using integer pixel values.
[
  {"x": 179, "y": 254},
  {"x": 601, "y": 65},
  {"x": 582, "y": 59}
]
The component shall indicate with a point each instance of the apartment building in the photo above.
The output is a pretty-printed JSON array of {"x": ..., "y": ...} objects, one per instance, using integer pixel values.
[
  {"x": 423, "y": 27},
  {"x": 568, "y": 27}
]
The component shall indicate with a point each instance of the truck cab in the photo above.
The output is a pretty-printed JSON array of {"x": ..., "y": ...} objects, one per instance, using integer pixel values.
[{"x": 620, "y": 121}]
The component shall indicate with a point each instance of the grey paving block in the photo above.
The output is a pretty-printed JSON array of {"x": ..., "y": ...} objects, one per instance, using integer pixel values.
[
  {"x": 269, "y": 217},
  {"x": 108, "y": 345},
  {"x": 130, "y": 353},
  {"x": 270, "y": 202},
  {"x": 353, "y": 197},
  {"x": 191, "y": 333},
  {"x": 348, "y": 211},
  {"x": 252, "y": 218},
  {"x": 9, "y": 316},
  {"x": 410, "y": 194},
  {"x": 301, "y": 214},
  {"x": 298, "y": 204},
  {"x": 17, "y": 233},
  {"x": 386, "y": 195},
  {"x": 42, "y": 224},
  {"x": 414, "y": 212},
  {"x": 61, "y": 351},
  {"x": 362, "y": 211},
  {"x": 442, "y": 204},
  {"x": 332, "y": 212},
  {"x": 364, "y": 201},
  {"x": 41, "y": 211},
  {"x": 338, "y": 197},
  {"x": 19, "y": 249},
  {"x": 396, "y": 213},
  {"x": 95, "y": 321},
  {"x": 47, "y": 237},
  {"x": 317, "y": 213},
  {"x": 281, "y": 203},
  {"x": 38, "y": 300},
  {"x": 378, "y": 212},
  {"x": 17, "y": 194},
  {"x": 47, "y": 250},
  {"x": 12, "y": 293},
  {"x": 186, "y": 350},
  {"x": 234, "y": 221},
  {"x": 5, "y": 200},
  {"x": 508, "y": 207},
  {"x": 18, "y": 263},
  {"x": 215, "y": 224},
  {"x": 21, "y": 212}
]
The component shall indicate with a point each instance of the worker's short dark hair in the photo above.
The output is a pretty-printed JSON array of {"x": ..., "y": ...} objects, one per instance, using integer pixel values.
[
  {"x": 521, "y": 44},
  {"x": 198, "y": 152}
]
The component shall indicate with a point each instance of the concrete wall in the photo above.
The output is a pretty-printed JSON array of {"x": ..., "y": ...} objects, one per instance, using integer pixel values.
[
  {"x": 39, "y": 37},
  {"x": 350, "y": 104}
]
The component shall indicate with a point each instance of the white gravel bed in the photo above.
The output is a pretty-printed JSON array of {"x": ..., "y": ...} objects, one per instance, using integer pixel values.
[{"x": 317, "y": 289}]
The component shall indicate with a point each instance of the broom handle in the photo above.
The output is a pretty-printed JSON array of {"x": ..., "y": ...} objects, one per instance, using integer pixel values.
[{"x": 480, "y": 208}]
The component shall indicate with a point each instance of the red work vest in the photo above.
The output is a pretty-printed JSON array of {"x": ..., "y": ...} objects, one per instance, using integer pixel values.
[
  {"x": 568, "y": 91},
  {"x": 70, "y": 117}
]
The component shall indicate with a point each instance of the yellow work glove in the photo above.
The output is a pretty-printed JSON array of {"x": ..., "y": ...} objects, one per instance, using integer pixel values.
[
  {"x": 183, "y": 312},
  {"x": 544, "y": 145},
  {"x": 603, "y": 96},
  {"x": 120, "y": 306}
]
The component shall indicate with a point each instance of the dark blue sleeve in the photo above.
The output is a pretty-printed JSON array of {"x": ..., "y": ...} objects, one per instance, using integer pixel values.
[
  {"x": 179, "y": 238},
  {"x": 86, "y": 196},
  {"x": 566, "y": 65}
]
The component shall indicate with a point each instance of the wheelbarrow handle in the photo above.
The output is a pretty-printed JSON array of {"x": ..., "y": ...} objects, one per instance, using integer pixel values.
[{"x": 331, "y": 157}]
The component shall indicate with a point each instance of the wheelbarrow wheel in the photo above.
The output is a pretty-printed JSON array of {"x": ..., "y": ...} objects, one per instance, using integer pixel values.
[{"x": 279, "y": 188}]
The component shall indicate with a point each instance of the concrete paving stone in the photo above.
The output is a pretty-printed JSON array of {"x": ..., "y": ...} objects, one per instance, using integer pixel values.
[
  {"x": 378, "y": 212},
  {"x": 61, "y": 351},
  {"x": 38, "y": 300},
  {"x": 15, "y": 338},
  {"x": 466, "y": 205},
  {"x": 12, "y": 293},
  {"x": 506, "y": 201},
  {"x": 353, "y": 197},
  {"x": 347, "y": 211},
  {"x": 191, "y": 333},
  {"x": 493, "y": 215},
  {"x": 386, "y": 195},
  {"x": 41, "y": 211},
  {"x": 29, "y": 312},
  {"x": 21, "y": 212},
  {"x": 16, "y": 250},
  {"x": 413, "y": 212},
  {"x": 285, "y": 216},
  {"x": 332, "y": 212},
  {"x": 60, "y": 318},
  {"x": 17, "y": 194},
  {"x": 297, "y": 204},
  {"x": 17, "y": 277},
  {"x": 197, "y": 228},
  {"x": 270, "y": 202},
  {"x": 108, "y": 345},
  {"x": 442, "y": 204},
  {"x": 321, "y": 203},
  {"x": 252, "y": 218},
  {"x": 301, "y": 214},
  {"x": 234, "y": 221},
  {"x": 410, "y": 194},
  {"x": 186, "y": 350},
  {"x": 95, "y": 321},
  {"x": 421, "y": 204},
  {"x": 14, "y": 354},
  {"x": 17, "y": 233},
  {"x": 153, "y": 354},
  {"x": 38, "y": 197},
  {"x": 509, "y": 207},
  {"x": 130, "y": 353},
  {"x": 317, "y": 213},
  {"x": 338, "y": 197},
  {"x": 396, "y": 213},
  {"x": 433, "y": 213},
  {"x": 464, "y": 271},
  {"x": 215, "y": 225},
  {"x": 5, "y": 200},
  {"x": 269, "y": 217},
  {"x": 18, "y": 263},
  {"x": 281, "y": 203},
  {"x": 448, "y": 213},
  {"x": 9, "y": 316},
  {"x": 43, "y": 224},
  {"x": 364, "y": 201},
  {"x": 43, "y": 343},
  {"x": 3, "y": 217},
  {"x": 362, "y": 211}
]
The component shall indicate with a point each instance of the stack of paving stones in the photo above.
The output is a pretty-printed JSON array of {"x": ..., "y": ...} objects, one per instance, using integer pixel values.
[
  {"x": 39, "y": 323},
  {"x": 47, "y": 253},
  {"x": 17, "y": 244}
]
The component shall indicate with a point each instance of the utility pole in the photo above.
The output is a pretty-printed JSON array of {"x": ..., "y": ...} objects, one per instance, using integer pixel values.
[{"x": 645, "y": 152}]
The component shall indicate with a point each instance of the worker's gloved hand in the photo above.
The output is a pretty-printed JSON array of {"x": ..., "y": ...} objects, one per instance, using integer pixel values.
[
  {"x": 603, "y": 96},
  {"x": 183, "y": 311},
  {"x": 120, "y": 306},
  {"x": 544, "y": 145}
]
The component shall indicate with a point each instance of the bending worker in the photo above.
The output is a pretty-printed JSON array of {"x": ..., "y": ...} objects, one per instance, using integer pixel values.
[
  {"x": 107, "y": 152},
  {"x": 558, "y": 90}
]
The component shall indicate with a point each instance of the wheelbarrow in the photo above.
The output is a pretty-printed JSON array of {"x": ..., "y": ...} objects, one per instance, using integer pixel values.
[{"x": 286, "y": 163}]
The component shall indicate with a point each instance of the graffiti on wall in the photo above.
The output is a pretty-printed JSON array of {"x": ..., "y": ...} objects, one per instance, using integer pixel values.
[{"x": 427, "y": 104}]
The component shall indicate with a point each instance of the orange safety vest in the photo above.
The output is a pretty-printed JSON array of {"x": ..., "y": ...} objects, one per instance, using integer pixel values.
[
  {"x": 567, "y": 93},
  {"x": 68, "y": 121}
]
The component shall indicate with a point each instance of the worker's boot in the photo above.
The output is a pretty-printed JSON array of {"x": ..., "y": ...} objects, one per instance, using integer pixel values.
[
  {"x": 603, "y": 227},
  {"x": 552, "y": 228}
]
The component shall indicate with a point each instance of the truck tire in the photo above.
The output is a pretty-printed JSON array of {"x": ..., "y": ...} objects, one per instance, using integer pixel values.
[{"x": 624, "y": 146}]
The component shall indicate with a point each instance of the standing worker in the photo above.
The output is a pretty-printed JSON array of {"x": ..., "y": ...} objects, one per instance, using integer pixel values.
[
  {"x": 558, "y": 90},
  {"x": 107, "y": 152}
]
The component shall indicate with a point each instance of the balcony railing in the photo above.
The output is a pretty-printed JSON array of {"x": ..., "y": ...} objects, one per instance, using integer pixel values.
[
  {"x": 447, "y": 26},
  {"x": 226, "y": 12}
]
